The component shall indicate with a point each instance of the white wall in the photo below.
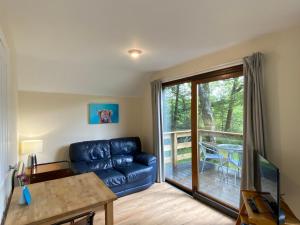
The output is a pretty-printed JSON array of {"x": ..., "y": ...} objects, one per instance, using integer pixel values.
[
  {"x": 61, "y": 119},
  {"x": 281, "y": 90},
  {"x": 8, "y": 120}
]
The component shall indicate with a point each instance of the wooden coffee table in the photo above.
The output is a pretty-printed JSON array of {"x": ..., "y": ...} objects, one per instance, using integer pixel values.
[{"x": 59, "y": 199}]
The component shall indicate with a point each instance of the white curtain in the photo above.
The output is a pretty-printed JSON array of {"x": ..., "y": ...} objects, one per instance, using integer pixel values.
[
  {"x": 254, "y": 137},
  {"x": 156, "y": 91}
]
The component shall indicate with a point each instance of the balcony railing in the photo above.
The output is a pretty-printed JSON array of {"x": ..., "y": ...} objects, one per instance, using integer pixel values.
[{"x": 173, "y": 145}]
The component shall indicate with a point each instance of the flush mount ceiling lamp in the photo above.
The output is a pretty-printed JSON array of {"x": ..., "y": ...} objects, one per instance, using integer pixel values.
[{"x": 135, "y": 53}]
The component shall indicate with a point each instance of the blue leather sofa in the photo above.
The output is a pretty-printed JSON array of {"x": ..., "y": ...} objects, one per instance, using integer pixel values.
[{"x": 120, "y": 163}]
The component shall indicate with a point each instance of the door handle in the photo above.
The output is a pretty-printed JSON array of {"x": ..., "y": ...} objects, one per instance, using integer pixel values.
[{"x": 12, "y": 167}]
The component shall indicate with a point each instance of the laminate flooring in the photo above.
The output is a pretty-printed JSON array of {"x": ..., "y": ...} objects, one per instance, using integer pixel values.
[{"x": 163, "y": 204}]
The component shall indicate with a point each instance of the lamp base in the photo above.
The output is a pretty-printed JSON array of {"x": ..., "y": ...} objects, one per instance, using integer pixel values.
[{"x": 33, "y": 160}]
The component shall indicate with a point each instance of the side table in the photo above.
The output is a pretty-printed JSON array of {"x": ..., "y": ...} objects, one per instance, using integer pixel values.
[{"x": 49, "y": 171}]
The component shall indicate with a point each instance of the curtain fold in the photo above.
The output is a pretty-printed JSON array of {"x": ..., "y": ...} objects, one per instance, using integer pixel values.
[
  {"x": 254, "y": 137},
  {"x": 156, "y": 93}
]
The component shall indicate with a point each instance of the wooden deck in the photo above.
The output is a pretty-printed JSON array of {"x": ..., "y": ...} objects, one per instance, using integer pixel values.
[{"x": 213, "y": 182}]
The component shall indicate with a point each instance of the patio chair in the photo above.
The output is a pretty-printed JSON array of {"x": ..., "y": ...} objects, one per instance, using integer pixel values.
[
  {"x": 211, "y": 152},
  {"x": 237, "y": 163}
]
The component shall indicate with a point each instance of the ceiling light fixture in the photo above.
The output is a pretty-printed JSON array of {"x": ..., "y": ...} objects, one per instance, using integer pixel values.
[{"x": 135, "y": 53}]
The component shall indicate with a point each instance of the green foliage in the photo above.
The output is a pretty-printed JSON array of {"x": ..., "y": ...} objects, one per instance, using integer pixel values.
[
  {"x": 222, "y": 107},
  {"x": 184, "y": 150},
  {"x": 226, "y": 140},
  {"x": 220, "y": 97},
  {"x": 182, "y": 119},
  {"x": 222, "y": 94}
]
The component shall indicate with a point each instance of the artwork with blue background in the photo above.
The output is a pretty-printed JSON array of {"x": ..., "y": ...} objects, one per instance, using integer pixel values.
[{"x": 103, "y": 113}]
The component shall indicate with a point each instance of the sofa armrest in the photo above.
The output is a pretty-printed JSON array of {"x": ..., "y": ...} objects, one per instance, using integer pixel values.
[
  {"x": 80, "y": 167},
  {"x": 144, "y": 158}
]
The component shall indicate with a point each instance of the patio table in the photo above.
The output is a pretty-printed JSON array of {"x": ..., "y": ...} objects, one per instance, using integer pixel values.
[{"x": 231, "y": 149}]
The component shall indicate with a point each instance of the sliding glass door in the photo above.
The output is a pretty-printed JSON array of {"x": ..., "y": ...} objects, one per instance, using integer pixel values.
[
  {"x": 203, "y": 135},
  {"x": 177, "y": 134},
  {"x": 220, "y": 138}
]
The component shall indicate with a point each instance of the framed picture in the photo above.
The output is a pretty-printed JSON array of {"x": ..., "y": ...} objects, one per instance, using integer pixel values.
[{"x": 103, "y": 113}]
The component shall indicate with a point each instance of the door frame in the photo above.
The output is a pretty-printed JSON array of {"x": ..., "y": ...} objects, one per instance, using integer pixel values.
[
  {"x": 228, "y": 73},
  {"x": 221, "y": 74}
]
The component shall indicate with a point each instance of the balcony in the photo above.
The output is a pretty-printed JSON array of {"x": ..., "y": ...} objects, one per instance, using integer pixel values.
[{"x": 220, "y": 182}]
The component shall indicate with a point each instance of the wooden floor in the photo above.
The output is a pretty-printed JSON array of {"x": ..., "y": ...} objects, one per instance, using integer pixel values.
[{"x": 165, "y": 205}]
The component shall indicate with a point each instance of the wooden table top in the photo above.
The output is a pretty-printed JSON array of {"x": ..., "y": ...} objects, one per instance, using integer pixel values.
[
  {"x": 48, "y": 167},
  {"x": 55, "y": 199}
]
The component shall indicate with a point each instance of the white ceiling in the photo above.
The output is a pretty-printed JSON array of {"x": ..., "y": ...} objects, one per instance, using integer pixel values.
[{"x": 80, "y": 46}]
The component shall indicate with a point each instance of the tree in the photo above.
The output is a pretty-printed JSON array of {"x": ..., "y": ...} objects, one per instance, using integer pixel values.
[
  {"x": 236, "y": 87},
  {"x": 220, "y": 106},
  {"x": 175, "y": 111},
  {"x": 206, "y": 110}
]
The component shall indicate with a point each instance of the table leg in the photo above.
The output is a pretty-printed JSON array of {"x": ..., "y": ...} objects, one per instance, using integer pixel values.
[
  {"x": 109, "y": 214},
  {"x": 227, "y": 175},
  {"x": 242, "y": 210}
]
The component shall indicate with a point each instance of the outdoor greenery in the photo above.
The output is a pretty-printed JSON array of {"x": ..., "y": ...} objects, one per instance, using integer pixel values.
[
  {"x": 177, "y": 107},
  {"x": 220, "y": 106}
]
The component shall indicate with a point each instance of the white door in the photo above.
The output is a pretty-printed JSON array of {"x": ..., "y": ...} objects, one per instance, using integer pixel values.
[{"x": 8, "y": 152}]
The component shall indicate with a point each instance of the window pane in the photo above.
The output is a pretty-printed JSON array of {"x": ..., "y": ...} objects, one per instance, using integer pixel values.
[
  {"x": 177, "y": 133},
  {"x": 220, "y": 135}
]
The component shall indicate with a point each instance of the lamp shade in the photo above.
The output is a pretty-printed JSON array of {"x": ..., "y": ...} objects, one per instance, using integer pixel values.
[{"x": 31, "y": 146}]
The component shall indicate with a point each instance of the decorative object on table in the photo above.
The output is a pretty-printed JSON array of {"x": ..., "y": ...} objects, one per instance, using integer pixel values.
[
  {"x": 22, "y": 199},
  {"x": 103, "y": 113},
  {"x": 25, "y": 197},
  {"x": 21, "y": 176},
  {"x": 26, "y": 194},
  {"x": 31, "y": 147},
  {"x": 20, "y": 168}
]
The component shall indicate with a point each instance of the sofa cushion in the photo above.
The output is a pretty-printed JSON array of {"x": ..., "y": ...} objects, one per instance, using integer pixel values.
[
  {"x": 83, "y": 167},
  {"x": 132, "y": 187},
  {"x": 135, "y": 172},
  {"x": 95, "y": 152},
  {"x": 122, "y": 160},
  {"x": 125, "y": 146},
  {"x": 111, "y": 177}
]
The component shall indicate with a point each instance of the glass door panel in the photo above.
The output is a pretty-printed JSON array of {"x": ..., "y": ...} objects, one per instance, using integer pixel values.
[
  {"x": 220, "y": 139},
  {"x": 177, "y": 134}
]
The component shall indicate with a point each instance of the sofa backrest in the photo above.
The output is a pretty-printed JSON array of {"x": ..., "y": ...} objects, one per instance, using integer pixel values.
[
  {"x": 125, "y": 146},
  {"x": 95, "y": 153},
  {"x": 104, "y": 154},
  {"x": 123, "y": 150}
]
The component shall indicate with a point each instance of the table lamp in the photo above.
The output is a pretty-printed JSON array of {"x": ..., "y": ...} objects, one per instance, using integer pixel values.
[{"x": 31, "y": 147}]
